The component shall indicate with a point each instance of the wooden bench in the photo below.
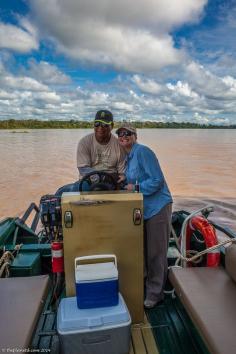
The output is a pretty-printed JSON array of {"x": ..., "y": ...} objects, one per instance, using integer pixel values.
[
  {"x": 21, "y": 302},
  {"x": 209, "y": 296}
]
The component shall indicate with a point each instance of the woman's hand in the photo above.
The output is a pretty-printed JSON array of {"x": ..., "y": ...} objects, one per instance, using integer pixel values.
[{"x": 129, "y": 187}]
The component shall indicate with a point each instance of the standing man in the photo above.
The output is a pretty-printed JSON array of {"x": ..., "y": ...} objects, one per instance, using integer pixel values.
[{"x": 100, "y": 150}]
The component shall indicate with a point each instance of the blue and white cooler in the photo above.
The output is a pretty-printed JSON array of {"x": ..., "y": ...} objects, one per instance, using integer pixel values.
[
  {"x": 96, "y": 279},
  {"x": 93, "y": 331}
]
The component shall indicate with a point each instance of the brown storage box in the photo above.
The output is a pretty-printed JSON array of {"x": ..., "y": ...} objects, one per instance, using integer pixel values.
[{"x": 103, "y": 223}]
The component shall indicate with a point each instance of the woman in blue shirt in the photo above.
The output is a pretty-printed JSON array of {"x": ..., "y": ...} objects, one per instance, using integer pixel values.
[{"x": 142, "y": 168}]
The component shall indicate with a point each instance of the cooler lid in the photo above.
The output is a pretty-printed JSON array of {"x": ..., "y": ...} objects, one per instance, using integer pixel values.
[
  {"x": 95, "y": 271},
  {"x": 71, "y": 318}
]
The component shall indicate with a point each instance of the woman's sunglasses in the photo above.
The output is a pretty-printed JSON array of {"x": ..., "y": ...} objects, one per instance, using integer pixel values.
[
  {"x": 100, "y": 124},
  {"x": 124, "y": 133}
]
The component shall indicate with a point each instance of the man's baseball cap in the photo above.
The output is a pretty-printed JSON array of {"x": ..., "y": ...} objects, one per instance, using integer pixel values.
[
  {"x": 104, "y": 116},
  {"x": 127, "y": 126}
]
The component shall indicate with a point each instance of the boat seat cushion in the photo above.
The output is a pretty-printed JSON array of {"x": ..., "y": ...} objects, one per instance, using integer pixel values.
[
  {"x": 22, "y": 300},
  {"x": 208, "y": 295},
  {"x": 230, "y": 261}
]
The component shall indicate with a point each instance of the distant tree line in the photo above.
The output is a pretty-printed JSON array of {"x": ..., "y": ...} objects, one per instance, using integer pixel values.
[
  {"x": 76, "y": 124},
  {"x": 41, "y": 124}
]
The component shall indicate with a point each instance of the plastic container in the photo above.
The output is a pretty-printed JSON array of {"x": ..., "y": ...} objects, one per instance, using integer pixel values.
[
  {"x": 26, "y": 264},
  {"x": 96, "y": 282},
  {"x": 93, "y": 331}
]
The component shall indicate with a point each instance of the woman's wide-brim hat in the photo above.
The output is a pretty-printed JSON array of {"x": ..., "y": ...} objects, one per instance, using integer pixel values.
[{"x": 127, "y": 126}]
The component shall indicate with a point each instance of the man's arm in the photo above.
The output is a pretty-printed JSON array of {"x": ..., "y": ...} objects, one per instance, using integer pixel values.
[
  {"x": 84, "y": 157},
  {"x": 85, "y": 170}
]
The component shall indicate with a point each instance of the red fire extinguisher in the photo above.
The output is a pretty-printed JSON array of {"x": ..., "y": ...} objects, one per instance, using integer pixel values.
[{"x": 57, "y": 257}]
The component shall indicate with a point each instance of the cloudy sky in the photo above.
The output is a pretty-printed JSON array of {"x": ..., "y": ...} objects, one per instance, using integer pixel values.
[{"x": 162, "y": 60}]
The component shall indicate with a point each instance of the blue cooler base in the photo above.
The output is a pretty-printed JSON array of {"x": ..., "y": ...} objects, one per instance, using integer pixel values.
[
  {"x": 93, "y": 331},
  {"x": 97, "y": 294}
]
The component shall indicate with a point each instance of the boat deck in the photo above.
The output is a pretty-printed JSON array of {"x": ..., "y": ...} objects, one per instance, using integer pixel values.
[
  {"x": 167, "y": 329},
  {"x": 173, "y": 330},
  {"x": 142, "y": 340}
]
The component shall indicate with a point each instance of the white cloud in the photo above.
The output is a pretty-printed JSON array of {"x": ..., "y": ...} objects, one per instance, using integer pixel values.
[
  {"x": 230, "y": 82},
  {"x": 125, "y": 49},
  {"x": 224, "y": 63},
  {"x": 48, "y": 97},
  {"x": 223, "y": 121},
  {"x": 69, "y": 105},
  {"x": 183, "y": 89},
  {"x": 147, "y": 85},
  {"x": 28, "y": 26},
  {"x": 137, "y": 97},
  {"x": 22, "y": 83},
  {"x": 4, "y": 95},
  {"x": 164, "y": 14},
  {"x": 98, "y": 98},
  {"x": 24, "y": 97},
  {"x": 214, "y": 43},
  {"x": 201, "y": 119},
  {"x": 123, "y": 106},
  {"x": 18, "y": 39},
  {"x": 47, "y": 73},
  {"x": 132, "y": 36},
  {"x": 209, "y": 85}
]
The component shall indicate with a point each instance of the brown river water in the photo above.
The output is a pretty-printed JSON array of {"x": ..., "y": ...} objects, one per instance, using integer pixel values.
[{"x": 199, "y": 166}]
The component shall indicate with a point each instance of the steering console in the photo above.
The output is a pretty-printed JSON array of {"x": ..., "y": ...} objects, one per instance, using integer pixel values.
[{"x": 98, "y": 181}]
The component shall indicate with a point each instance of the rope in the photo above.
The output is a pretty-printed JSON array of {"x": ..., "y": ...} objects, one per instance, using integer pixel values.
[
  {"x": 6, "y": 260},
  {"x": 189, "y": 252},
  {"x": 194, "y": 258},
  {"x": 207, "y": 250},
  {"x": 197, "y": 239},
  {"x": 6, "y": 255},
  {"x": 17, "y": 248},
  {"x": 175, "y": 237}
]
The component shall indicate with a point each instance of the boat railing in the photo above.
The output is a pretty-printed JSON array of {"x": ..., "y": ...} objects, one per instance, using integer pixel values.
[{"x": 32, "y": 207}]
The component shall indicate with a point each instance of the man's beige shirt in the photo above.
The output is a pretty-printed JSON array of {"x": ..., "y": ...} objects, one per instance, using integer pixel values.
[{"x": 109, "y": 157}]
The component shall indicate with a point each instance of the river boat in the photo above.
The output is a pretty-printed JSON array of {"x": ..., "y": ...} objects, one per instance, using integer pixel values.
[{"x": 197, "y": 315}]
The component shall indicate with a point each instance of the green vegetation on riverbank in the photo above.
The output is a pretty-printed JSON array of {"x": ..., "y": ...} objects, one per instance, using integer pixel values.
[{"x": 74, "y": 124}]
